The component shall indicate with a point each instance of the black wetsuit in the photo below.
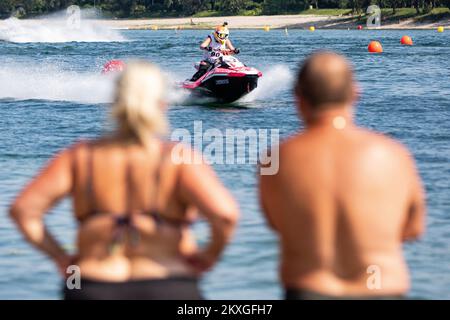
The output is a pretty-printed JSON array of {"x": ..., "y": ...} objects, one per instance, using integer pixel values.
[
  {"x": 204, "y": 67},
  {"x": 176, "y": 288}
]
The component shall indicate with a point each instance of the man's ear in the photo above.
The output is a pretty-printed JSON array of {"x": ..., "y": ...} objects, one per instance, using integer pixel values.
[{"x": 303, "y": 108}]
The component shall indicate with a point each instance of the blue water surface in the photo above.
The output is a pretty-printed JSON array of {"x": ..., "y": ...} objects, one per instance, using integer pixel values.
[{"x": 405, "y": 94}]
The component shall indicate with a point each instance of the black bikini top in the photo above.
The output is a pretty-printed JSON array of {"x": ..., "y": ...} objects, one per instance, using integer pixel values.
[{"x": 123, "y": 221}]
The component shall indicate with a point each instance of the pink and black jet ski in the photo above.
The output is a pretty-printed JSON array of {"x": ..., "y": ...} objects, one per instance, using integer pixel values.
[{"x": 225, "y": 81}]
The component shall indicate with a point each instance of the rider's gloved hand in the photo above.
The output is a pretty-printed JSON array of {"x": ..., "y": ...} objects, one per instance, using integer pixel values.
[
  {"x": 208, "y": 49},
  {"x": 237, "y": 50}
]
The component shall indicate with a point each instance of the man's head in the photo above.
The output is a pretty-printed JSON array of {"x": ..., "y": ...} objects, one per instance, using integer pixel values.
[{"x": 325, "y": 81}]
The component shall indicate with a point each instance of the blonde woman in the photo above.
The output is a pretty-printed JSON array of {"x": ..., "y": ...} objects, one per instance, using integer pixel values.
[{"x": 133, "y": 204}]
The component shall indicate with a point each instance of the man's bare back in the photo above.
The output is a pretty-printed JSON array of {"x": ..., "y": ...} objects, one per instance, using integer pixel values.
[{"x": 342, "y": 202}]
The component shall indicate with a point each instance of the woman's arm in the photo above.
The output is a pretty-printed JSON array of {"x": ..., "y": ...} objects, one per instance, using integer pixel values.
[
  {"x": 199, "y": 186},
  {"x": 205, "y": 43},
  {"x": 230, "y": 45},
  {"x": 53, "y": 183}
]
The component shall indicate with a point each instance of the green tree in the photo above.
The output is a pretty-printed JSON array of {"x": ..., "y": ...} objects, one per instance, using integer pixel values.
[
  {"x": 127, "y": 8},
  {"x": 6, "y": 6},
  {"x": 232, "y": 6}
]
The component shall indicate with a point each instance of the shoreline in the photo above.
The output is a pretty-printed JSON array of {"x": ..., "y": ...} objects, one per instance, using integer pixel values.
[
  {"x": 273, "y": 22},
  {"x": 300, "y": 21}
]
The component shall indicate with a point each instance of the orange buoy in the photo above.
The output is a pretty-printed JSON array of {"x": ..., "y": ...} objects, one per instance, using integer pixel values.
[
  {"x": 406, "y": 40},
  {"x": 360, "y": 27},
  {"x": 375, "y": 47}
]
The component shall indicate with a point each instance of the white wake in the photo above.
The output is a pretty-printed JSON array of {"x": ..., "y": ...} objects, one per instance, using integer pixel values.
[
  {"x": 54, "y": 83},
  {"x": 274, "y": 80},
  {"x": 58, "y": 28}
]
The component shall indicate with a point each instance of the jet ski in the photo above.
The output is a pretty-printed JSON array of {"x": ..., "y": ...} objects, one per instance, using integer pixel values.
[{"x": 225, "y": 81}]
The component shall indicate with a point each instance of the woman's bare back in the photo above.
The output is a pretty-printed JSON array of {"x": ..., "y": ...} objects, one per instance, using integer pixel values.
[{"x": 131, "y": 221}]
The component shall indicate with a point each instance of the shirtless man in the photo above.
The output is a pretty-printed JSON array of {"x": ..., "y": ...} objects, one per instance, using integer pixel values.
[{"x": 344, "y": 198}]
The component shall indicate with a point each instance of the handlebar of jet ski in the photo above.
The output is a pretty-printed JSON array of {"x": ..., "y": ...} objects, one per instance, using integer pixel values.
[{"x": 229, "y": 52}]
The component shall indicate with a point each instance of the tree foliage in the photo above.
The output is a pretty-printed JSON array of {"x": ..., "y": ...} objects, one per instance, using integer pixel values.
[{"x": 142, "y": 8}]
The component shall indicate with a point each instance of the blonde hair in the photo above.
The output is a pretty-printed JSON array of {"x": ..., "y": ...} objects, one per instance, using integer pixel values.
[{"x": 139, "y": 103}]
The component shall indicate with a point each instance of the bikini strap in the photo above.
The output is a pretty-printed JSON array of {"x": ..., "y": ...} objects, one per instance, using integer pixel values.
[
  {"x": 73, "y": 169},
  {"x": 124, "y": 223},
  {"x": 90, "y": 179},
  {"x": 157, "y": 179},
  {"x": 166, "y": 149},
  {"x": 129, "y": 187}
]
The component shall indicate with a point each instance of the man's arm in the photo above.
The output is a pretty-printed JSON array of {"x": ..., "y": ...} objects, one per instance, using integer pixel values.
[
  {"x": 415, "y": 221},
  {"x": 266, "y": 199}
]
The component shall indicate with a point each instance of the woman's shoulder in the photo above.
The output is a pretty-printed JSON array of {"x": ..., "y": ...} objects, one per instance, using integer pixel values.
[
  {"x": 182, "y": 153},
  {"x": 176, "y": 152},
  {"x": 84, "y": 143},
  {"x": 80, "y": 144}
]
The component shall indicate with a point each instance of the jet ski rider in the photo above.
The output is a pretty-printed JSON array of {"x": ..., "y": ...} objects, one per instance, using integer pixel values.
[{"x": 214, "y": 46}]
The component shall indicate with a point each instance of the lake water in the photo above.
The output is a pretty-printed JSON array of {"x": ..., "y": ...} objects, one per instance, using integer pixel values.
[{"x": 51, "y": 94}]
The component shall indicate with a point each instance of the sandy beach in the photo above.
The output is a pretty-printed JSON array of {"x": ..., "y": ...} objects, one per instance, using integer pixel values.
[
  {"x": 254, "y": 22},
  {"x": 273, "y": 22}
]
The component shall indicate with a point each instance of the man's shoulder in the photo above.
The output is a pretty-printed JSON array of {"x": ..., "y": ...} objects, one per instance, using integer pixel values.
[
  {"x": 385, "y": 151},
  {"x": 294, "y": 142},
  {"x": 381, "y": 141},
  {"x": 364, "y": 139}
]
